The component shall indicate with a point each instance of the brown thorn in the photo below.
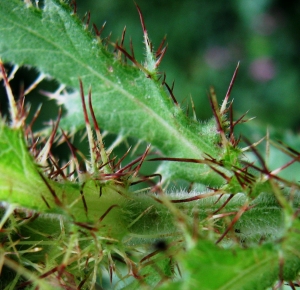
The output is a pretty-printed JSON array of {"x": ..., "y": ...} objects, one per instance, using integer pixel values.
[
  {"x": 88, "y": 20},
  {"x": 59, "y": 171},
  {"x": 164, "y": 79},
  {"x": 34, "y": 144},
  {"x": 238, "y": 177},
  {"x": 84, "y": 16},
  {"x": 190, "y": 188},
  {"x": 150, "y": 255},
  {"x": 111, "y": 270},
  {"x": 108, "y": 162},
  {"x": 194, "y": 198},
  {"x": 123, "y": 37},
  {"x": 141, "y": 18},
  {"x": 222, "y": 215},
  {"x": 74, "y": 4},
  {"x": 159, "y": 76},
  {"x": 224, "y": 204},
  {"x": 121, "y": 44},
  {"x": 35, "y": 116},
  {"x": 288, "y": 151},
  {"x": 93, "y": 113},
  {"x": 280, "y": 274},
  {"x": 193, "y": 109},
  {"x": 110, "y": 176},
  {"x": 73, "y": 150},
  {"x": 248, "y": 176},
  {"x": 223, "y": 107},
  {"x": 21, "y": 104},
  {"x": 160, "y": 57},
  {"x": 64, "y": 167},
  {"x": 281, "y": 168},
  {"x": 221, "y": 195},
  {"x": 171, "y": 93},
  {"x": 86, "y": 118},
  {"x": 11, "y": 98},
  {"x": 156, "y": 199},
  {"x": 119, "y": 259},
  {"x": 129, "y": 165},
  {"x": 190, "y": 160},
  {"x": 160, "y": 49},
  {"x": 231, "y": 126},
  {"x": 157, "y": 189},
  {"x": 257, "y": 154},
  {"x": 100, "y": 152},
  {"x": 137, "y": 169},
  {"x": 55, "y": 127},
  {"x": 61, "y": 270},
  {"x": 217, "y": 115},
  {"x": 287, "y": 147},
  {"x": 178, "y": 269},
  {"x": 52, "y": 191},
  {"x": 240, "y": 120},
  {"x": 118, "y": 164},
  {"x": 131, "y": 58},
  {"x": 71, "y": 173},
  {"x": 147, "y": 179},
  {"x": 83, "y": 199},
  {"x": 213, "y": 160},
  {"x": 82, "y": 283},
  {"x": 108, "y": 38},
  {"x": 53, "y": 270},
  {"x": 148, "y": 44},
  {"x": 228, "y": 108},
  {"x": 195, "y": 234},
  {"x": 131, "y": 48},
  {"x": 238, "y": 140},
  {"x": 86, "y": 226},
  {"x": 173, "y": 84},
  {"x": 45, "y": 201},
  {"x": 292, "y": 285},
  {"x": 107, "y": 211},
  {"x": 228, "y": 178},
  {"x": 97, "y": 31},
  {"x": 234, "y": 220},
  {"x": 269, "y": 174},
  {"x": 102, "y": 28},
  {"x": 244, "y": 170}
]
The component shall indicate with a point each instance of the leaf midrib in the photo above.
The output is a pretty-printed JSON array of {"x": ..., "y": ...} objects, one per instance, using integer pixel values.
[{"x": 189, "y": 145}]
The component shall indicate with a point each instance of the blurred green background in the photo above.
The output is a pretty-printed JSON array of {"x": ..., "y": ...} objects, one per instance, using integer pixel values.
[{"x": 206, "y": 39}]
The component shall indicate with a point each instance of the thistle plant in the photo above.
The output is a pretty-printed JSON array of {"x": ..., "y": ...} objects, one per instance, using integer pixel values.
[{"x": 82, "y": 222}]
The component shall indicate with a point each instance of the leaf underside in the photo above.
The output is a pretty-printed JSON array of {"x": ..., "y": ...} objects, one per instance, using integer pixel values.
[{"x": 125, "y": 101}]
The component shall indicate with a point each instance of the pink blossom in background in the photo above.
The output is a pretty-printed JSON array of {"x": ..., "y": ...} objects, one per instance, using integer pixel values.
[{"x": 262, "y": 69}]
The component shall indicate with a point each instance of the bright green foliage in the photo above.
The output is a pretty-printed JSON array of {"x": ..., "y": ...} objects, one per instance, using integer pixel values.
[
  {"x": 19, "y": 177},
  {"x": 64, "y": 230}
]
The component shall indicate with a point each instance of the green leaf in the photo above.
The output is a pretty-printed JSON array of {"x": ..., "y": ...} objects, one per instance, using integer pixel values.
[
  {"x": 124, "y": 99},
  {"x": 210, "y": 267},
  {"x": 20, "y": 180}
]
